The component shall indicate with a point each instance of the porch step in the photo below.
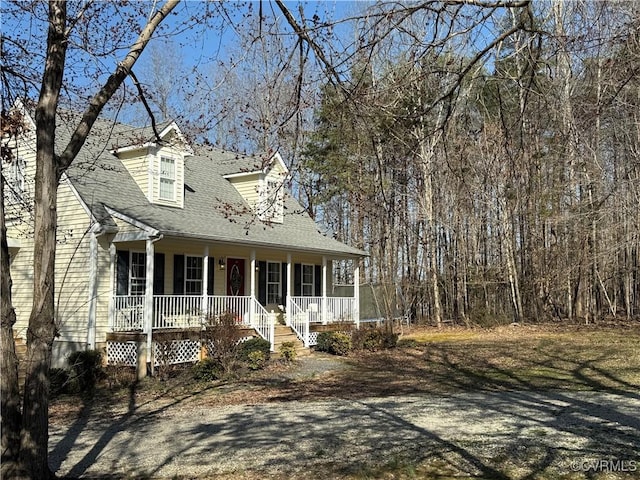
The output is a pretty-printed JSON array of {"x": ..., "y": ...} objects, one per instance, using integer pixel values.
[{"x": 286, "y": 334}]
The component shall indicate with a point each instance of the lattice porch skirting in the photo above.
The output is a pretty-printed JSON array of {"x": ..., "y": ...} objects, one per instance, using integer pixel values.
[
  {"x": 170, "y": 352},
  {"x": 164, "y": 353},
  {"x": 176, "y": 351},
  {"x": 122, "y": 353}
]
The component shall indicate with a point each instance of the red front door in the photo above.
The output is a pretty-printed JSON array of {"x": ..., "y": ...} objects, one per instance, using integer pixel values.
[{"x": 235, "y": 277}]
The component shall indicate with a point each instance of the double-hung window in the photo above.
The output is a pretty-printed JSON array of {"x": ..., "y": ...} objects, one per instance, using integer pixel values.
[
  {"x": 308, "y": 287},
  {"x": 137, "y": 273},
  {"x": 193, "y": 276},
  {"x": 274, "y": 272},
  {"x": 271, "y": 206},
  {"x": 167, "y": 179},
  {"x": 15, "y": 176}
]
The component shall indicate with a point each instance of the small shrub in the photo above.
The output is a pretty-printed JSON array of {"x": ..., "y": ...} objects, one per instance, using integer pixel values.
[
  {"x": 87, "y": 367},
  {"x": 167, "y": 352},
  {"x": 119, "y": 376},
  {"x": 336, "y": 343},
  {"x": 256, "y": 344},
  {"x": 207, "y": 370},
  {"x": 288, "y": 351},
  {"x": 324, "y": 342},
  {"x": 390, "y": 340},
  {"x": 256, "y": 360},
  {"x": 60, "y": 380},
  {"x": 341, "y": 343},
  {"x": 224, "y": 337},
  {"x": 374, "y": 339}
]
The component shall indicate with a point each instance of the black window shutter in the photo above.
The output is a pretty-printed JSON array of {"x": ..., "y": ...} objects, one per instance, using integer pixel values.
[
  {"x": 178, "y": 274},
  {"x": 262, "y": 282},
  {"x": 284, "y": 283},
  {"x": 317, "y": 273},
  {"x": 210, "y": 273},
  {"x": 297, "y": 279},
  {"x": 158, "y": 273},
  {"x": 122, "y": 272}
]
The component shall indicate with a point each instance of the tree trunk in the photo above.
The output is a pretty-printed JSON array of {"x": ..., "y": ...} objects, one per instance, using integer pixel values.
[
  {"x": 9, "y": 391},
  {"x": 34, "y": 435},
  {"x": 42, "y": 329}
]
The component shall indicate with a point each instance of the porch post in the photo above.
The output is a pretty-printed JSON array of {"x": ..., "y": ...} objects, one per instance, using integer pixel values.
[
  {"x": 112, "y": 285},
  {"x": 288, "y": 307},
  {"x": 356, "y": 292},
  {"x": 324, "y": 290},
  {"x": 148, "y": 302},
  {"x": 205, "y": 283},
  {"x": 252, "y": 276},
  {"x": 93, "y": 289},
  {"x": 252, "y": 287}
]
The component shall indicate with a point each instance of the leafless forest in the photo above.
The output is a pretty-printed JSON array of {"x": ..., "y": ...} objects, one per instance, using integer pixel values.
[
  {"x": 485, "y": 155},
  {"x": 495, "y": 184}
]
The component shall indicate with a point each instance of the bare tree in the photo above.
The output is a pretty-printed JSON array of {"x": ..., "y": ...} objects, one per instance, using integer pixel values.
[{"x": 29, "y": 459}]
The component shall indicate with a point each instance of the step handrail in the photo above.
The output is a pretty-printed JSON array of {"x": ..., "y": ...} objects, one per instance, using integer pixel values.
[
  {"x": 263, "y": 322},
  {"x": 299, "y": 323}
]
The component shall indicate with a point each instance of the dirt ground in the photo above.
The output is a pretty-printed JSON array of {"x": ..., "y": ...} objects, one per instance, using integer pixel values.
[{"x": 578, "y": 368}]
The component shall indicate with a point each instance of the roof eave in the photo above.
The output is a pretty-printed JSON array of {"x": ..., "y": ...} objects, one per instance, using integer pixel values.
[{"x": 253, "y": 243}]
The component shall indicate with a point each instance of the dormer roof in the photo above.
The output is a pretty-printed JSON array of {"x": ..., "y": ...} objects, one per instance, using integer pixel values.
[{"x": 145, "y": 137}]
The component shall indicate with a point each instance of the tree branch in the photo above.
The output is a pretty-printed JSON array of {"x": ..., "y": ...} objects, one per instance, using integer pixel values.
[
  {"x": 98, "y": 102},
  {"x": 146, "y": 105}
]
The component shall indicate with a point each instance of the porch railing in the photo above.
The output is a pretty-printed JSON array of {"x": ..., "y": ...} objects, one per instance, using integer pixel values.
[
  {"x": 128, "y": 313},
  {"x": 239, "y": 307},
  {"x": 191, "y": 311},
  {"x": 340, "y": 309},
  {"x": 326, "y": 310},
  {"x": 177, "y": 311}
]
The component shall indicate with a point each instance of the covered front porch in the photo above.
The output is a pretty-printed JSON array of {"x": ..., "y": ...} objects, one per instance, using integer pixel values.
[
  {"x": 130, "y": 313},
  {"x": 162, "y": 285}
]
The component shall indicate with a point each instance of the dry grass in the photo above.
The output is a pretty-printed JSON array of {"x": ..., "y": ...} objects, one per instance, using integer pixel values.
[
  {"x": 509, "y": 358},
  {"x": 427, "y": 360}
]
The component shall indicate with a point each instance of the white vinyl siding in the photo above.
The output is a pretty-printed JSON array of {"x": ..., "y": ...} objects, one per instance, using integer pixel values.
[
  {"x": 16, "y": 175},
  {"x": 17, "y": 198},
  {"x": 247, "y": 186},
  {"x": 137, "y": 164}
]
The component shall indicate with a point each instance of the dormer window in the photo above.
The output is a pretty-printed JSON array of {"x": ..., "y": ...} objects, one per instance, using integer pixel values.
[
  {"x": 271, "y": 204},
  {"x": 167, "y": 189},
  {"x": 15, "y": 187}
]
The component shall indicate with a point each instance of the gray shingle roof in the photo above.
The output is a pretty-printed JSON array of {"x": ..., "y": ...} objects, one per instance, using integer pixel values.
[{"x": 213, "y": 208}]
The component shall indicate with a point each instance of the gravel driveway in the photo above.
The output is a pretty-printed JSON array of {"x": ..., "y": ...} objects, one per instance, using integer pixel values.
[{"x": 496, "y": 435}]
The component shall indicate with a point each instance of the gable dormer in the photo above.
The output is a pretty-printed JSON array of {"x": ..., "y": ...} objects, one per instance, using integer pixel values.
[
  {"x": 264, "y": 189},
  {"x": 157, "y": 167}
]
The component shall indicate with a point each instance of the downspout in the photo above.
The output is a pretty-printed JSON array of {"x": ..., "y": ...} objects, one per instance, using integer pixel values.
[
  {"x": 95, "y": 231},
  {"x": 148, "y": 300}
]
